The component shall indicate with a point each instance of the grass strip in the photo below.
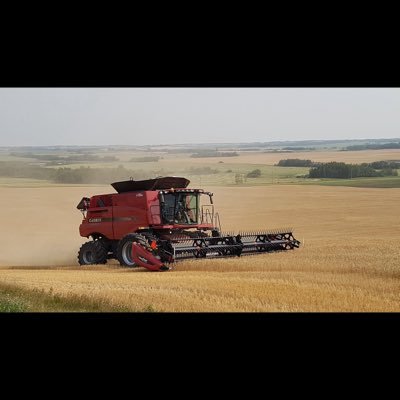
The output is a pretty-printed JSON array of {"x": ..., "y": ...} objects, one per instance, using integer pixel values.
[{"x": 16, "y": 299}]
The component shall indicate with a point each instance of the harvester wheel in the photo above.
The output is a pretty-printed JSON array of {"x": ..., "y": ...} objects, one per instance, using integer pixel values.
[
  {"x": 124, "y": 249},
  {"x": 92, "y": 252},
  {"x": 101, "y": 251}
]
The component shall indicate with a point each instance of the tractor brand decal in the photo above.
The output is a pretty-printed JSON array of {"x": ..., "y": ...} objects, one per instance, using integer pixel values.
[
  {"x": 118, "y": 219},
  {"x": 95, "y": 220}
]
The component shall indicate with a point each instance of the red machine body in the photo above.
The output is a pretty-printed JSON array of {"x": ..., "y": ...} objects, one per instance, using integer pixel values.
[{"x": 115, "y": 215}]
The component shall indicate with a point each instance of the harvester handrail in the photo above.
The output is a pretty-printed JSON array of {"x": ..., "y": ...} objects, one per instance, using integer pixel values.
[
  {"x": 207, "y": 216},
  {"x": 218, "y": 222}
]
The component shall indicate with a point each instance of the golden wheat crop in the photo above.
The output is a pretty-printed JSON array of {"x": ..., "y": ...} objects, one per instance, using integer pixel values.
[{"x": 349, "y": 261}]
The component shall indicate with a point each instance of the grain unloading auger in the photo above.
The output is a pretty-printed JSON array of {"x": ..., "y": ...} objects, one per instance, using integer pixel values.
[{"x": 153, "y": 223}]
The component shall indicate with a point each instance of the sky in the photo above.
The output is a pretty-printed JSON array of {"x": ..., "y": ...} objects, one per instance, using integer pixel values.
[{"x": 150, "y": 116}]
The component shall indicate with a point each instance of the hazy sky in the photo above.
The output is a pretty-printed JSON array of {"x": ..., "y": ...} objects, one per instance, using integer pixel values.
[{"x": 139, "y": 116}]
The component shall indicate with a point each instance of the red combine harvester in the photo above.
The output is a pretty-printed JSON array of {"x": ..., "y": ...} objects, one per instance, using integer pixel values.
[{"x": 155, "y": 222}]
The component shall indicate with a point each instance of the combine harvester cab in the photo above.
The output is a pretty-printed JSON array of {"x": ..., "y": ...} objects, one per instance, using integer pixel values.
[{"x": 155, "y": 222}]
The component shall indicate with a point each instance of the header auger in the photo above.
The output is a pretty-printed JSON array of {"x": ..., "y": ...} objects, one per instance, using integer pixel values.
[{"x": 155, "y": 222}]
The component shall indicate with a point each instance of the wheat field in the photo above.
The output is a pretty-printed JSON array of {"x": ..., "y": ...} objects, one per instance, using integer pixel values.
[{"x": 349, "y": 260}]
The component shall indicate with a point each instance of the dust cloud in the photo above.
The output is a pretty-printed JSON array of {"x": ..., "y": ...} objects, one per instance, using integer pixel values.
[{"x": 40, "y": 226}]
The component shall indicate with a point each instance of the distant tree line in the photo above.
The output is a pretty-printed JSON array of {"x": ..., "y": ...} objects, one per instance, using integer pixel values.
[
  {"x": 24, "y": 170},
  {"x": 277, "y": 151},
  {"x": 72, "y": 175},
  {"x": 145, "y": 159},
  {"x": 385, "y": 164},
  {"x": 356, "y": 147},
  {"x": 295, "y": 162},
  {"x": 291, "y": 148},
  {"x": 95, "y": 175},
  {"x": 73, "y": 159},
  {"x": 214, "y": 154},
  {"x": 342, "y": 170}
]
